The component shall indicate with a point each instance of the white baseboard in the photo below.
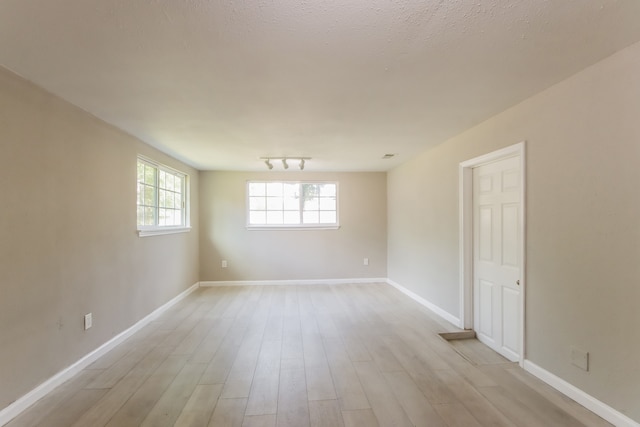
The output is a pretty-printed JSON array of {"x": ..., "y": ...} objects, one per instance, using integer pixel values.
[
  {"x": 437, "y": 310},
  {"x": 296, "y": 282},
  {"x": 591, "y": 403},
  {"x": 13, "y": 410},
  {"x": 24, "y": 402}
]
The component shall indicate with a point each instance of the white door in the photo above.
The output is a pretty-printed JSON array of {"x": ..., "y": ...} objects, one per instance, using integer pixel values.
[{"x": 497, "y": 241}]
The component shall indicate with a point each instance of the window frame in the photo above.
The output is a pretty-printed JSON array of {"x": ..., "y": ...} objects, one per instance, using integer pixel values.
[
  {"x": 333, "y": 226},
  {"x": 156, "y": 229}
]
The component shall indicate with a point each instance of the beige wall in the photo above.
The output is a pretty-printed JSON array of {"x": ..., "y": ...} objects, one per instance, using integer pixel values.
[
  {"x": 583, "y": 208},
  {"x": 289, "y": 255},
  {"x": 68, "y": 244}
]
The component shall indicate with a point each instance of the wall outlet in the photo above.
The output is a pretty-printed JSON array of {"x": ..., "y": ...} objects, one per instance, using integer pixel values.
[
  {"x": 366, "y": 261},
  {"x": 580, "y": 358},
  {"x": 88, "y": 321},
  {"x": 224, "y": 263}
]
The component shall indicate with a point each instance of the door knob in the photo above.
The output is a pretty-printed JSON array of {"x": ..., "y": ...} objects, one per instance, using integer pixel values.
[{"x": 518, "y": 282}]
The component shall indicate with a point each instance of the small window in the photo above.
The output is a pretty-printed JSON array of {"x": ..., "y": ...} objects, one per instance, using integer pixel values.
[
  {"x": 277, "y": 204},
  {"x": 162, "y": 199}
]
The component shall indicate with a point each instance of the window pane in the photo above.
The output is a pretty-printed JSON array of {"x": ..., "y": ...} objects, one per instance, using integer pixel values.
[
  {"x": 171, "y": 217},
  {"x": 327, "y": 204},
  {"x": 162, "y": 217},
  {"x": 309, "y": 191},
  {"x": 291, "y": 190},
  {"x": 162, "y": 179},
  {"x": 311, "y": 204},
  {"x": 257, "y": 217},
  {"x": 177, "y": 183},
  {"x": 169, "y": 199},
  {"x": 140, "y": 195},
  {"x": 177, "y": 217},
  {"x": 291, "y": 217},
  {"x": 275, "y": 217},
  {"x": 257, "y": 189},
  {"x": 310, "y": 217},
  {"x": 291, "y": 203},
  {"x": 257, "y": 203},
  {"x": 168, "y": 182},
  {"x": 274, "y": 189},
  {"x": 149, "y": 216},
  {"x": 149, "y": 196},
  {"x": 149, "y": 175},
  {"x": 274, "y": 203},
  {"x": 140, "y": 215},
  {"x": 327, "y": 189},
  {"x": 328, "y": 217},
  {"x": 140, "y": 172},
  {"x": 162, "y": 198},
  {"x": 177, "y": 201}
]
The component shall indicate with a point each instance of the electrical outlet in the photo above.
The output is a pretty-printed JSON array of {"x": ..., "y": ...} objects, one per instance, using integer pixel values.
[
  {"x": 88, "y": 321},
  {"x": 580, "y": 358},
  {"x": 224, "y": 263},
  {"x": 366, "y": 261}
]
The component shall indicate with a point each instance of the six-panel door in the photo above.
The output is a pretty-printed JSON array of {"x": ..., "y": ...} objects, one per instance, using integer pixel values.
[{"x": 497, "y": 241}]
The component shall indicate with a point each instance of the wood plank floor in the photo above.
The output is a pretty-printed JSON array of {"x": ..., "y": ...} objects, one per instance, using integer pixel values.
[{"x": 344, "y": 355}]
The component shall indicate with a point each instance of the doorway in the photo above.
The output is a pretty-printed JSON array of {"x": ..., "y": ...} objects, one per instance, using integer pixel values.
[{"x": 492, "y": 242}]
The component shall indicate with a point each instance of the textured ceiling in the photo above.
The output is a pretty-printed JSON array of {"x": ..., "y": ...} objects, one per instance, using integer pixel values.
[{"x": 220, "y": 83}]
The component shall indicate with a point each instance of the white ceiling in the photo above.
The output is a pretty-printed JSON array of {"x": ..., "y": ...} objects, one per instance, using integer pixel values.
[{"x": 219, "y": 84}]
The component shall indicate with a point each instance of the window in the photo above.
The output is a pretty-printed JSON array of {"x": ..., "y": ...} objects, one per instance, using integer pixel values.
[
  {"x": 274, "y": 204},
  {"x": 162, "y": 199}
]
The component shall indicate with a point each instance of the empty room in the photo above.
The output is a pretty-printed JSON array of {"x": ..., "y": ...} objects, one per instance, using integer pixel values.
[{"x": 319, "y": 213}]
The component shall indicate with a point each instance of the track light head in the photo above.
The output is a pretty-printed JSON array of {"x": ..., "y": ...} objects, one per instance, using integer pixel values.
[{"x": 284, "y": 160}]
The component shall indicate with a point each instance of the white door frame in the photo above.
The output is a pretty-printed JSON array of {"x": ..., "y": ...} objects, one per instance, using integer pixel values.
[{"x": 466, "y": 234}]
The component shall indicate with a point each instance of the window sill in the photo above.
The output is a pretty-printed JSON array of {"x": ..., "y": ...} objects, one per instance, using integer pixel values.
[
  {"x": 162, "y": 231},
  {"x": 294, "y": 228}
]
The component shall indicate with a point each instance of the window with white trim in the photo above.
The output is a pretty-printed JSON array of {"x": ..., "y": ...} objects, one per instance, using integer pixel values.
[
  {"x": 161, "y": 199},
  {"x": 286, "y": 204}
]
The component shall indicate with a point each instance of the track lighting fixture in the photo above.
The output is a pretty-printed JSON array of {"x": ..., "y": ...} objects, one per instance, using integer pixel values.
[{"x": 285, "y": 165}]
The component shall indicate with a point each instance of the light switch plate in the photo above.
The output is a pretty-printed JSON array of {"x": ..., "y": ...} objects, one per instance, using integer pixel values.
[{"x": 88, "y": 321}]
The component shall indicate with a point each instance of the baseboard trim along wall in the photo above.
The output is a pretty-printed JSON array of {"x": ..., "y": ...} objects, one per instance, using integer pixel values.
[
  {"x": 591, "y": 403},
  {"x": 295, "y": 282},
  {"x": 23, "y": 403},
  {"x": 437, "y": 310},
  {"x": 10, "y": 412}
]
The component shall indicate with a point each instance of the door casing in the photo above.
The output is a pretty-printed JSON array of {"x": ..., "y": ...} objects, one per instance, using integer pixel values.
[{"x": 466, "y": 234}]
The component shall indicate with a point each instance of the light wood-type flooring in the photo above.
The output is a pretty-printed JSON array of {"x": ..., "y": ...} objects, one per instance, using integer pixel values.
[{"x": 343, "y": 355}]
